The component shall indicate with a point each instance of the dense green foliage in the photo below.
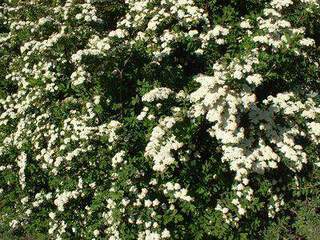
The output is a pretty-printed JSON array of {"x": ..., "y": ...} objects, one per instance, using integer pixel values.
[{"x": 159, "y": 119}]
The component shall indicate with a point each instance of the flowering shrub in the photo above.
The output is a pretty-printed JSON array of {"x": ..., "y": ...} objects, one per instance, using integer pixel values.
[{"x": 159, "y": 119}]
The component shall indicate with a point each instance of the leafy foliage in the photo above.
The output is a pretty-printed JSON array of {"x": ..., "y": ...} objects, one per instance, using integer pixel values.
[{"x": 159, "y": 119}]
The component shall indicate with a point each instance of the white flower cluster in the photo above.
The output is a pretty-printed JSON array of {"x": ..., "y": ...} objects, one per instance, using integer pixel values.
[
  {"x": 112, "y": 229},
  {"x": 255, "y": 79},
  {"x": 118, "y": 158},
  {"x": 160, "y": 146},
  {"x": 22, "y": 161},
  {"x": 245, "y": 24},
  {"x": 185, "y": 15},
  {"x": 157, "y": 94},
  {"x": 280, "y": 4},
  {"x": 56, "y": 140},
  {"x": 63, "y": 198},
  {"x": 88, "y": 13},
  {"x": 223, "y": 107},
  {"x": 314, "y": 130},
  {"x": 151, "y": 226},
  {"x": 148, "y": 235},
  {"x": 37, "y": 47},
  {"x": 77, "y": 57},
  {"x": 275, "y": 206},
  {"x": 95, "y": 42},
  {"x": 220, "y": 105},
  {"x": 277, "y": 32},
  {"x": 79, "y": 76},
  {"x": 143, "y": 113},
  {"x": 177, "y": 191},
  {"x": 238, "y": 150},
  {"x": 151, "y": 23},
  {"x": 217, "y": 33}
]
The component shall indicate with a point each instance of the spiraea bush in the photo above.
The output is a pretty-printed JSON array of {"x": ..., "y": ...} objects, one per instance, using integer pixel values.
[{"x": 159, "y": 119}]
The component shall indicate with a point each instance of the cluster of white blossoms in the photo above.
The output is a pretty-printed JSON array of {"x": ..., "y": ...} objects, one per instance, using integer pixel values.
[
  {"x": 153, "y": 24},
  {"x": 63, "y": 198},
  {"x": 220, "y": 105},
  {"x": 218, "y": 33},
  {"x": 281, "y": 4},
  {"x": 37, "y": 47},
  {"x": 143, "y": 113},
  {"x": 223, "y": 106},
  {"x": 149, "y": 235},
  {"x": 88, "y": 13},
  {"x": 177, "y": 192},
  {"x": 58, "y": 228},
  {"x": 314, "y": 130},
  {"x": 159, "y": 26},
  {"x": 51, "y": 139},
  {"x": 255, "y": 79},
  {"x": 157, "y": 94},
  {"x": 275, "y": 206},
  {"x": 161, "y": 145},
  {"x": 22, "y": 161},
  {"x": 118, "y": 158},
  {"x": 153, "y": 206},
  {"x": 277, "y": 32},
  {"x": 79, "y": 76}
]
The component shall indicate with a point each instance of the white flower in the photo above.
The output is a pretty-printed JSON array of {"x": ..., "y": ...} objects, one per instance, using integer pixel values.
[
  {"x": 155, "y": 202},
  {"x": 235, "y": 201},
  {"x": 118, "y": 158},
  {"x": 307, "y": 42},
  {"x": 52, "y": 215},
  {"x": 120, "y": 33},
  {"x": 14, "y": 223},
  {"x": 241, "y": 210},
  {"x": 245, "y": 24},
  {"x": 96, "y": 232},
  {"x": 225, "y": 210},
  {"x": 147, "y": 203},
  {"x": 157, "y": 94},
  {"x": 255, "y": 79},
  {"x": 24, "y": 200},
  {"x": 165, "y": 233}
]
